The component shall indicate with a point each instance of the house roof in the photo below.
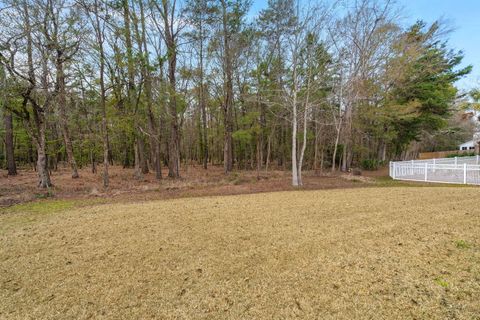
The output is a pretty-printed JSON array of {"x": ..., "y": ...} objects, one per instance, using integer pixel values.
[{"x": 466, "y": 142}]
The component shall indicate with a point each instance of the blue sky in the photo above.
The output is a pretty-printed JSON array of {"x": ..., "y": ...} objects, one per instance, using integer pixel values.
[{"x": 461, "y": 15}]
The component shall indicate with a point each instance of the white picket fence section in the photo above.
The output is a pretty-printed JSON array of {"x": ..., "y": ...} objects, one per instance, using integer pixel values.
[{"x": 459, "y": 170}]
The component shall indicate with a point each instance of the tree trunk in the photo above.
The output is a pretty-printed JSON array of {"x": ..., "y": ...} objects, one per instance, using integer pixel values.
[
  {"x": 203, "y": 107},
  {"x": 173, "y": 152},
  {"x": 346, "y": 155},
  {"x": 138, "y": 168},
  {"x": 295, "y": 181},
  {"x": 38, "y": 133},
  {"x": 294, "y": 151},
  {"x": 9, "y": 144},
  {"x": 228, "y": 98},
  {"x": 305, "y": 124},
  {"x": 344, "y": 158},
  {"x": 152, "y": 128},
  {"x": 383, "y": 151},
  {"x": 61, "y": 103},
  {"x": 204, "y": 127},
  {"x": 141, "y": 153},
  {"x": 155, "y": 145},
  {"x": 93, "y": 161},
  {"x": 170, "y": 41},
  {"x": 294, "y": 138},
  {"x": 40, "y": 142},
  {"x": 321, "y": 159},
  {"x": 132, "y": 91},
  {"x": 269, "y": 144},
  {"x": 335, "y": 147},
  {"x": 304, "y": 144},
  {"x": 106, "y": 149}
]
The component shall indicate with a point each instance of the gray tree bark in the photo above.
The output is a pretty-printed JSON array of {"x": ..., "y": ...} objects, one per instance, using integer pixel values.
[{"x": 9, "y": 144}]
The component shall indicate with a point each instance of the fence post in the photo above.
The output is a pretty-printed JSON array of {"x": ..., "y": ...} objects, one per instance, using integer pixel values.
[
  {"x": 393, "y": 175},
  {"x": 477, "y": 158},
  {"x": 455, "y": 162},
  {"x": 426, "y": 170},
  {"x": 434, "y": 165},
  {"x": 411, "y": 168},
  {"x": 464, "y": 173}
]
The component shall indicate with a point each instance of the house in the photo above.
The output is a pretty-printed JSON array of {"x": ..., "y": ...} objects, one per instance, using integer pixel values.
[
  {"x": 474, "y": 117},
  {"x": 469, "y": 145}
]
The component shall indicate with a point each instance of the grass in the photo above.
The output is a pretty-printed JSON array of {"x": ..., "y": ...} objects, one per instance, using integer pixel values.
[
  {"x": 335, "y": 254},
  {"x": 25, "y": 214},
  {"x": 22, "y": 215},
  {"x": 41, "y": 207},
  {"x": 462, "y": 244},
  {"x": 441, "y": 282}
]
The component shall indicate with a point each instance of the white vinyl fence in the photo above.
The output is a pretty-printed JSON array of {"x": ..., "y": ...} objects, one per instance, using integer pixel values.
[{"x": 461, "y": 170}]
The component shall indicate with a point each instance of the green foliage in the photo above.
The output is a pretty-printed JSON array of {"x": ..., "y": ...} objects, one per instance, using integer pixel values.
[
  {"x": 466, "y": 154},
  {"x": 243, "y": 136},
  {"x": 371, "y": 164},
  {"x": 441, "y": 282},
  {"x": 45, "y": 195},
  {"x": 421, "y": 99},
  {"x": 462, "y": 244}
]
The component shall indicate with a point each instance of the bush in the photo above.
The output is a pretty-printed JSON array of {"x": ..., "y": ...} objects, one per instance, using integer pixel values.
[
  {"x": 371, "y": 164},
  {"x": 467, "y": 154}
]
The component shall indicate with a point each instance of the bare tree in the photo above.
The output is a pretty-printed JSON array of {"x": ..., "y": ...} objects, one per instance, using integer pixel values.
[
  {"x": 97, "y": 21},
  {"x": 364, "y": 36},
  {"x": 297, "y": 93},
  {"x": 147, "y": 78},
  {"x": 35, "y": 88},
  {"x": 62, "y": 30},
  {"x": 171, "y": 29}
]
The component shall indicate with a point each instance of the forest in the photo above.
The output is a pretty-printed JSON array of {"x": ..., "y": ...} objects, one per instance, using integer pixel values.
[{"x": 157, "y": 85}]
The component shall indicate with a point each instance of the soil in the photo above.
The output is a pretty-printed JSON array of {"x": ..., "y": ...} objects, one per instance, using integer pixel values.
[{"x": 195, "y": 181}]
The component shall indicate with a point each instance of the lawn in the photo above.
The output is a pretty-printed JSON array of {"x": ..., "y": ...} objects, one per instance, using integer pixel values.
[{"x": 388, "y": 252}]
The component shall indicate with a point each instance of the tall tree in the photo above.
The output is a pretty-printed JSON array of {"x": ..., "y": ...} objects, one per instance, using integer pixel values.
[
  {"x": 98, "y": 22},
  {"x": 230, "y": 19},
  {"x": 33, "y": 84},
  {"x": 8, "y": 122},
  {"x": 147, "y": 78},
  {"x": 423, "y": 80},
  {"x": 62, "y": 30},
  {"x": 172, "y": 27},
  {"x": 198, "y": 15}
]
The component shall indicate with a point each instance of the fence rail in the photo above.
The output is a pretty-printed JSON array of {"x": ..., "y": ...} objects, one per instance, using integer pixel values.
[{"x": 460, "y": 170}]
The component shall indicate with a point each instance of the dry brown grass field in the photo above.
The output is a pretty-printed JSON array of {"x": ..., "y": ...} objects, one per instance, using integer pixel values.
[{"x": 364, "y": 253}]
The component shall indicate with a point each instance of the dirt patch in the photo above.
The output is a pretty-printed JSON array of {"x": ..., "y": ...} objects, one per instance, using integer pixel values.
[
  {"x": 195, "y": 181},
  {"x": 357, "y": 178},
  {"x": 383, "y": 253}
]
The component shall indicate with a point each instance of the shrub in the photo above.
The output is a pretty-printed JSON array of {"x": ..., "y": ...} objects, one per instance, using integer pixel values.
[
  {"x": 466, "y": 154},
  {"x": 371, "y": 164},
  {"x": 45, "y": 195}
]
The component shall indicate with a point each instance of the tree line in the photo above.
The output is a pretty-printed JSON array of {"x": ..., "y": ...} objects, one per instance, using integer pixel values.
[{"x": 151, "y": 84}]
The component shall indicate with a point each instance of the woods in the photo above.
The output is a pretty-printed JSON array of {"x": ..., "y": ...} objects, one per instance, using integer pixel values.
[{"x": 171, "y": 83}]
